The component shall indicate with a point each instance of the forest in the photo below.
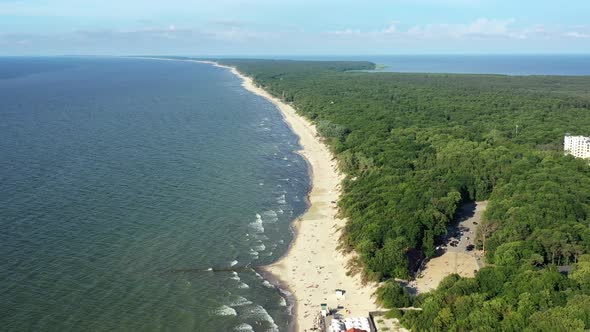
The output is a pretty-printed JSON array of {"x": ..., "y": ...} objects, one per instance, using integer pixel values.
[{"x": 414, "y": 147}]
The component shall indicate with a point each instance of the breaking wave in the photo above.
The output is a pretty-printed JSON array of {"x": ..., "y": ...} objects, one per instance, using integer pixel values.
[{"x": 225, "y": 310}]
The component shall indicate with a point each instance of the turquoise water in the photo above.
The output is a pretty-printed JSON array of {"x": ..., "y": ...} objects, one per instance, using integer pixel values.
[{"x": 122, "y": 180}]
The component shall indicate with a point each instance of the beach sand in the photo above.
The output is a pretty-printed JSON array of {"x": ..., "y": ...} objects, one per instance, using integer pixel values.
[
  {"x": 438, "y": 268},
  {"x": 313, "y": 267}
]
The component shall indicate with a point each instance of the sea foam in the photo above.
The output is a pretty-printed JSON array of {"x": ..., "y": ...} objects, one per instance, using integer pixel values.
[
  {"x": 269, "y": 216},
  {"x": 282, "y": 302},
  {"x": 259, "y": 247},
  {"x": 225, "y": 310},
  {"x": 240, "y": 301},
  {"x": 258, "y": 312},
  {"x": 244, "y": 328},
  {"x": 257, "y": 226}
]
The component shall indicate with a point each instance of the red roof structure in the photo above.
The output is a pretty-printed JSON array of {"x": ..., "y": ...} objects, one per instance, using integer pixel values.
[{"x": 355, "y": 330}]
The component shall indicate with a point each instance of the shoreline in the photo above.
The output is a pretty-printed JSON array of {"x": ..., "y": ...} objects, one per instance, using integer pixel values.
[{"x": 312, "y": 268}]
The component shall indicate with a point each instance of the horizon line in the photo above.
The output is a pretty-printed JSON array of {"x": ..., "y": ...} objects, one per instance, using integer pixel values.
[{"x": 268, "y": 56}]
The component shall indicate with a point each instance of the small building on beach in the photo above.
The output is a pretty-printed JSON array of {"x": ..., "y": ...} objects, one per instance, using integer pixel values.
[{"x": 356, "y": 324}]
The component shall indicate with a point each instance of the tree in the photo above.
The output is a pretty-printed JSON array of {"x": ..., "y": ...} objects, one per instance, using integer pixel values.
[
  {"x": 392, "y": 295},
  {"x": 555, "y": 319},
  {"x": 485, "y": 229}
]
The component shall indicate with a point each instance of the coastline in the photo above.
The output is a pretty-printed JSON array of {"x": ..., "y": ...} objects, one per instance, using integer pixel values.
[{"x": 313, "y": 267}]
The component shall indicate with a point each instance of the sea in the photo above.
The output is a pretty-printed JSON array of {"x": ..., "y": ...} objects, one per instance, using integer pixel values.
[{"x": 141, "y": 195}]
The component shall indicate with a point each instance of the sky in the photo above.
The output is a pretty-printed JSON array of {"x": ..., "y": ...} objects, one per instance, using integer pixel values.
[{"x": 293, "y": 27}]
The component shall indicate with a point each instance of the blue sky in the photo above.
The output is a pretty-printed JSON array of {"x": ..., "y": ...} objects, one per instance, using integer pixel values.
[{"x": 293, "y": 27}]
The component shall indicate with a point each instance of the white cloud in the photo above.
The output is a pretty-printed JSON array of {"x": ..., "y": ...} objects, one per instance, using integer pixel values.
[
  {"x": 576, "y": 34},
  {"x": 229, "y": 23},
  {"x": 480, "y": 28},
  {"x": 346, "y": 32},
  {"x": 389, "y": 30},
  {"x": 392, "y": 28}
]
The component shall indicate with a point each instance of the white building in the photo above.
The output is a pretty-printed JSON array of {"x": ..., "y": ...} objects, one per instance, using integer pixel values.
[
  {"x": 577, "y": 146},
  {"x": 358, "y": 323}
]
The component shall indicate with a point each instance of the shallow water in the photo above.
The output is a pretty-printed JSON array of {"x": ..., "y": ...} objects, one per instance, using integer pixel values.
[{"x": 118, "y": 173}]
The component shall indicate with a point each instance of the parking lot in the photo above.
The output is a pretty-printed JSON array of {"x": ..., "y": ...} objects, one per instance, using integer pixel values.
[
  {"x": 461, "y": 237},
  {"x": 455, "y": 254}
]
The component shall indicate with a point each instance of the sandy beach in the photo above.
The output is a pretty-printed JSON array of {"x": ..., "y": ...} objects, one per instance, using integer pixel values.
[{"x": 313, "y": 268}]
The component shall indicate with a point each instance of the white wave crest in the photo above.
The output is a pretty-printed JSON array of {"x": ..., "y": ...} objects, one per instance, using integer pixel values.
[
  {"x": 282, "y": 302},
  {"x": 240, "y": 301},
  {"x": 233, "y": 263},
  {"x": 259, "y": 247},
  {"x": 253, "y": 253},
  {"x": 244, "y": 328},
  {"x": 261, "y": 237},
  {"x": 258, "y": 312},
  {"x": 225, "y": 310},
  {"x": 243, "y": 286},
  {"x": 270, "y": 216},
  {"x": 257, "y": 226}
]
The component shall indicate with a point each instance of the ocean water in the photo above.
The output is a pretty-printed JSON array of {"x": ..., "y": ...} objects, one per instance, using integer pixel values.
[{"x": 122, "y": 181}]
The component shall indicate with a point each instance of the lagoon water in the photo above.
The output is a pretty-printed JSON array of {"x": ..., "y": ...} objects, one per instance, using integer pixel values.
[
  {"x": 502, "y": 64},
  {"x": 122, "y": 180},
  {"x": 569, "y": 65}
]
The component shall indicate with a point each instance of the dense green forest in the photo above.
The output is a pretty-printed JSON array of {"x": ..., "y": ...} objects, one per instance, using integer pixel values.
[{"x": 416, "y": 146}]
